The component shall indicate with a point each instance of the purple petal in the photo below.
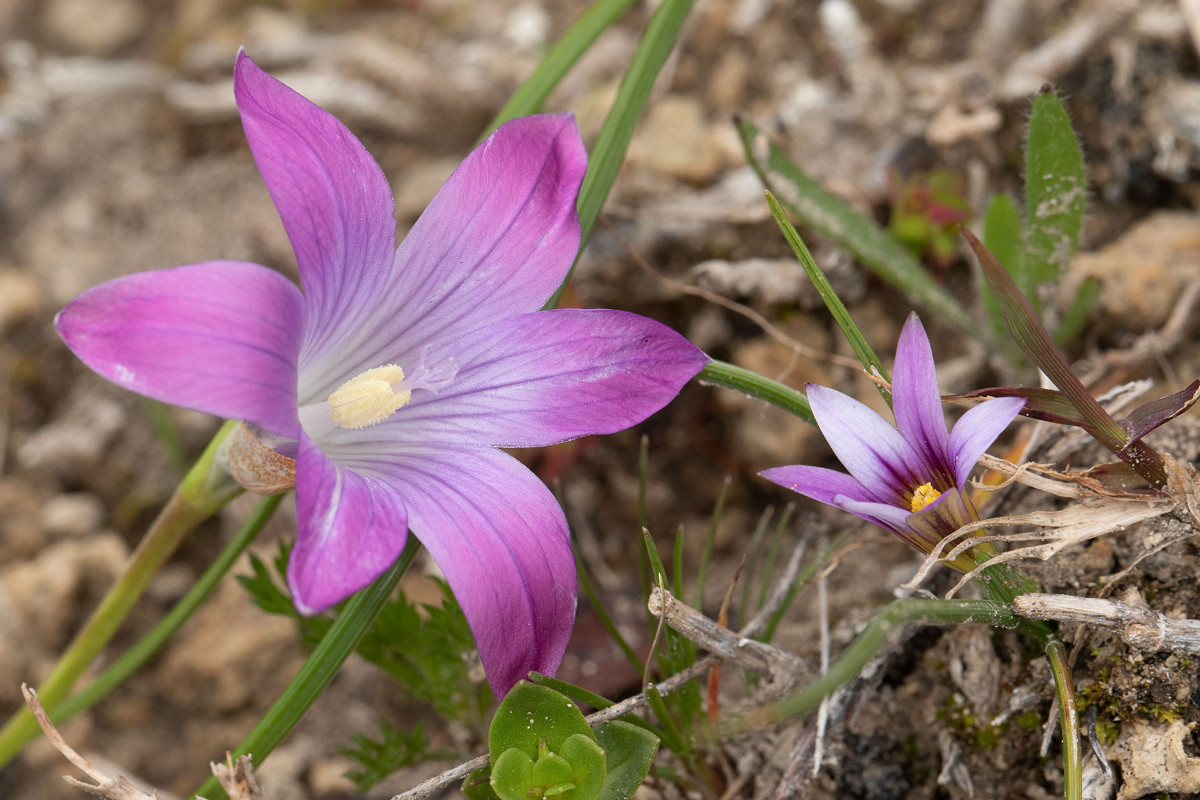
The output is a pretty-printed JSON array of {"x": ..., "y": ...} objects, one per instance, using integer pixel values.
[
  {"x": 496, "y": 241},
  {"x": 502, "y": 542},
  {"x": 550, "y": 376},
  {"x": 220, "y": 337},
  {"x": 915, "y": 398},
  {"x": 352, "y": 527},
  {"x": 975, "y": 431},
  {"x": 868, "y": 447},
  {"x": 334, "y": 200},
  {"x": 840, "y": 491}
]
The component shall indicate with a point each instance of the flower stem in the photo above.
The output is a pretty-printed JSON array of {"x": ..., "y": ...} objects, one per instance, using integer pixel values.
[
  {"x": 873, "y": 637},
  {"x": 137, "y": 655},
  {"x": 335, "y": 647},
  {"x": 204, "y": 490},
  {"x": 836, "y": 307},
  {"x": 1056, "y": 654},
  {"x": 722, "y": 373}
]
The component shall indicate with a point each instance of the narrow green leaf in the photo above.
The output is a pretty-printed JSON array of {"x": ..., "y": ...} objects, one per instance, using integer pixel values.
[
  {"x": 1055, "y": 193},
  {"x": 528, "y": 98},
  {"x": 1076, "y": 316},
  {"x": 1002, "y": 236},
  {"x": 850, "y": 330},
  {"x": 634, "y": 92},
  {"x": 831, "y": 216},
  {"x": 324, "y": 662}
]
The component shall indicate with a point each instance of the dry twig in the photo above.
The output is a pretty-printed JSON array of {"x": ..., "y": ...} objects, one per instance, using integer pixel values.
[
  {"x": 110, "y": 789},
  {"x": 1132, "y": 620}
]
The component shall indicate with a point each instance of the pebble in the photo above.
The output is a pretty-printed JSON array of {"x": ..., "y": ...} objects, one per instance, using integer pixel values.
[
  {"x": 94, "y": 27},
  {"x": 76, "y": 514},
  {"x": 20, "y": 298},
  {"x": 78, "y": 439},
  {"x": 675, "y": 140},
  {"x": 327, "y": 777},
  {"x": 1142, "y": 273}
]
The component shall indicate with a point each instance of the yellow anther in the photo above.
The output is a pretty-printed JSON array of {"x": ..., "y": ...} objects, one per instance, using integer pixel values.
[
  {"x": 923, "y": 496},
  {"x": 368, "y": 398}
]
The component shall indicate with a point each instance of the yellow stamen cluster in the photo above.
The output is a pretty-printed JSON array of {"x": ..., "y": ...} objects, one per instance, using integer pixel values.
[
  {"x": 368, "y": 398},
  {"x": 923, "y": 496}
]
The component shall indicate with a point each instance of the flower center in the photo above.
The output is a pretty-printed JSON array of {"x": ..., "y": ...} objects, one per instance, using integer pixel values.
[
  {"x": 374, "y": 396},
  {"x": 923, "y": 496},
  {"x": 368, "y": 397}
]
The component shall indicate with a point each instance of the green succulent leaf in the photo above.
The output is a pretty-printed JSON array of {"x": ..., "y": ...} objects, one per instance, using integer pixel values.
[
  {"x": 512, "y": 775},
  {"x": 629, "y": 751},
  {"x": 531, "y": 715}
]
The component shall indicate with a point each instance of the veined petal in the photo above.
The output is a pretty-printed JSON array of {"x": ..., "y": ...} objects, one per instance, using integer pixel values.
[
  {"x": 975, "y": 431},
  {"x": 502, "y": 542},
  {"x": 869, "y": 448},
  {"x": 220, "y": 337},
  {"x": 335, "y": 203},
  {"x": 496, "y": 241},
  {"x": 915, "y": 398},
  {"x": 550, "y": 376},
  {"x": 352, "y": 527}
]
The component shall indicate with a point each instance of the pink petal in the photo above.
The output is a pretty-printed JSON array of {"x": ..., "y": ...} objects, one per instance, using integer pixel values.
[
  {"x": 975, "y": 431},
  {"x": 550, "y": 376},
  {"x": 502, "y": 542},
  {"x": 352, "y": 527},
  {"x": 915, "y": 398},
  {"x": 334, "y": 200},
  {"x": 869, "y": 448},
  {"x": 220, "y": 337},
  {"x": 496, "y": 241}
]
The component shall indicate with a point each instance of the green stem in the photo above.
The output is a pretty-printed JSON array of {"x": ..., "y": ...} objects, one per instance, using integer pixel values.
[
  {"x": 204, "y": 490},
  {"x": 836, "y": 307},
  {"x": 861, "y": 650},
  {"x": 1068, "y": 716},
  {"x": 137, "y": 655},
  {"x": 335, "y": 647},
  {"x": 722, "y": 373},
  {"x": 530, "y": 95}
]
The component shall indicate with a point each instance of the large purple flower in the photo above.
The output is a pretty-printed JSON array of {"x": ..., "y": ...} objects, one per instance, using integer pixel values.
[
  {"x": 910, "y": 480},
  {"x": 396, "y": 373}
]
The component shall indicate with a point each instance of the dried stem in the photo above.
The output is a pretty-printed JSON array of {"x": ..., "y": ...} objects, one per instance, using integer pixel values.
[{"x": 1135, "y": 622}]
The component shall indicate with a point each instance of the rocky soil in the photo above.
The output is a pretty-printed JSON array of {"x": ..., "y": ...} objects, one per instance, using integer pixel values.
[{"x": 120, "y": 150}]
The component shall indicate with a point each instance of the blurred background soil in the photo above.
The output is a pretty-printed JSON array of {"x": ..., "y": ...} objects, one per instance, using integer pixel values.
[{"x": 121, "y": 150}]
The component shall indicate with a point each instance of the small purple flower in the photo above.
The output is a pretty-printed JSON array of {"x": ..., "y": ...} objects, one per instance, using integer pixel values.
[
  {"x": 396, "y": 373},
  {"x": 910, "y": 480}
]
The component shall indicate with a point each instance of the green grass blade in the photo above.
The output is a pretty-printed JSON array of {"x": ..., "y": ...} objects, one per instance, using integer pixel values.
[
  {"x": 336, "y": 646},
  {"x": 634, "y": 92},
  {"x": 853, "y": 335},
  {"x": 831, "y": 216},
  {"x": 530, "y": 95},
  {"x": 1055, "y": 194},
  {"x": 710, "y": 538}
]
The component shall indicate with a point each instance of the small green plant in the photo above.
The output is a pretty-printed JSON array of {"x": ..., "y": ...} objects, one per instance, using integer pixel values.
[{"x": 540, "y": 746}]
